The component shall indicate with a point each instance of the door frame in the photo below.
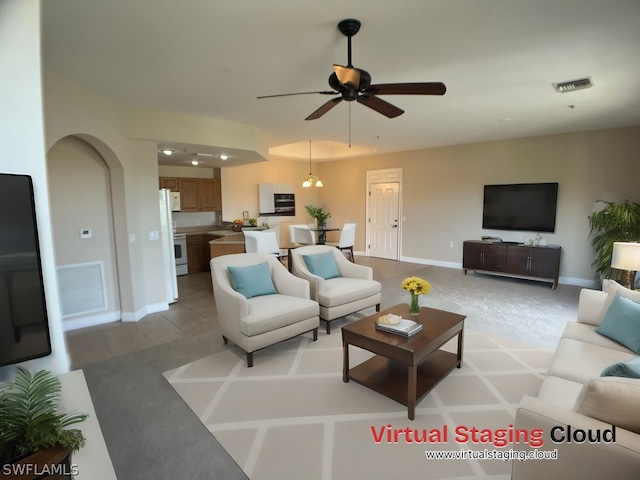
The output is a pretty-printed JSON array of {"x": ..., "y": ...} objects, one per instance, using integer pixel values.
[{"x": 387, "y": 175}]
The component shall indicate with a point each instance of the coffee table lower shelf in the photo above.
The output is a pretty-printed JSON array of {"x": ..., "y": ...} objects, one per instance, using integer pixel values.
[{"x": 390, "y": 377}]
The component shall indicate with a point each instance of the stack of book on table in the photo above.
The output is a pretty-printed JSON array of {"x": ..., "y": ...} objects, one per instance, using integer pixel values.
[{"x": 398, "y": 325}]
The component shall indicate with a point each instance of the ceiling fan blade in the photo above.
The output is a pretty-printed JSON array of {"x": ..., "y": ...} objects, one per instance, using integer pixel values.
[
  {"x": 323, "y": 92},
  {"x": 380, "y": 106},
  {"x": 425, "y": 88},
  {"x": 324, "y": 108},
  {"x": 347, "y": 75}
]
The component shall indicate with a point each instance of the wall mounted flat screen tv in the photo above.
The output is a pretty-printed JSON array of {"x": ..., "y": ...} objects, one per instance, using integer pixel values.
[
  {"x": 24, "y": 327},
  {"x": 521, "y": 206}
]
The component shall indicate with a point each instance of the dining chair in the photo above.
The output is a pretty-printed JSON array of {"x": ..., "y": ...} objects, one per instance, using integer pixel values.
[
  {"x": 303, "y": 238},
  {"x": 347, "y": 239},
  {"x": 265, "y": 241}
]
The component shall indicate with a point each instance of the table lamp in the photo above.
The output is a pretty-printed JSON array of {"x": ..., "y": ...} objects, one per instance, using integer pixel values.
[{"x": 626, "y": 256}]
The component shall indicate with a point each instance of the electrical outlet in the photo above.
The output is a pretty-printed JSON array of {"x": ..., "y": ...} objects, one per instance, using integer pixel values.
[
  {"x": 132, "y": 238},
  {"x": 153, "y": 235},
  {"x": 198, "y": 221},
  {"x": 450, "y": 244}
]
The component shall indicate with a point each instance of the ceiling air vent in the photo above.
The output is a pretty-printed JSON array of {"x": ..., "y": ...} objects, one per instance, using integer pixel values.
[{"x": 571, "y": 85}]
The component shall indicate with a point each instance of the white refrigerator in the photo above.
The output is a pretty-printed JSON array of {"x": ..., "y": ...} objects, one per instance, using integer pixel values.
[{"x": 168, "y": 251}]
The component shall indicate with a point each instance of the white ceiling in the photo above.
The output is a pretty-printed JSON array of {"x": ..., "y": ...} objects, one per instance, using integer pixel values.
[{"x": 498, "y": 59}]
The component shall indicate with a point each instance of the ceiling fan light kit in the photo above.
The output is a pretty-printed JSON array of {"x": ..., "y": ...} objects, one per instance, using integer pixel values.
[{"x": 353, "y": 83}]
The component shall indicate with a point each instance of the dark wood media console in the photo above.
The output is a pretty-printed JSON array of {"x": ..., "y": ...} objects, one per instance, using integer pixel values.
[{"x": 517, "y": 260}]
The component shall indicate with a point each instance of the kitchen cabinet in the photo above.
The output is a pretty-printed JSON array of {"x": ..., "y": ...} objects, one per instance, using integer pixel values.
[
  {"x": 196, "y": 194},
  {"x": 170, "y": 183},
  {"x": 523, "y": 261},
  {"x": 195, "y": 249}
]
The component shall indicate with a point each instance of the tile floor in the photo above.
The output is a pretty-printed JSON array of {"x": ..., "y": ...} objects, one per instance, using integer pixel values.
[{"x": 194, "y": 313}]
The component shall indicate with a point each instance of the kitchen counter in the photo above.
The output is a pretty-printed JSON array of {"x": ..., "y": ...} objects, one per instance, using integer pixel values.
[
  {"x": 226, "y": 245},
  {"x": 233, "y": 238}
]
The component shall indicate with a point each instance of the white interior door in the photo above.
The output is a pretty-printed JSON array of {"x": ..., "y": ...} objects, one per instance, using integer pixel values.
[{"x": 383, "y": 223}]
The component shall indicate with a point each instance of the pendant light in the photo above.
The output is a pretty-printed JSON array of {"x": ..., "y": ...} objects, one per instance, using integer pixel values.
[{"x": 311, "y": 180}]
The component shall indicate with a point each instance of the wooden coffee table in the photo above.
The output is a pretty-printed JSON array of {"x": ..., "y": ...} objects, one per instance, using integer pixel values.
[{"x": 404, "y": 369}]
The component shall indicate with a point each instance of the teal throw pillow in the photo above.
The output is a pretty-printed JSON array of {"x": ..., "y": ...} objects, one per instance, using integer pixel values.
[
  {"x": 629, "y": 369},
  {"x": 622, "y": 323},
  {"x": 322, "y": 264},
  {"x": 253, "y": 280}
]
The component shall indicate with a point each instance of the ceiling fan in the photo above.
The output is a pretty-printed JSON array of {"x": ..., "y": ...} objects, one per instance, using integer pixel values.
[{"x": 353, "y": 83}]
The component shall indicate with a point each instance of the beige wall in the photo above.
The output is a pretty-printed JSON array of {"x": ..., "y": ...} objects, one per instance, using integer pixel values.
[
  {"x": 126, "y": 138},
  {"x": 22, "y": 135},
  {"x": 240, "y": 190},
  {"x": 443, "y": 190},
  {"x": 80, "y": 198}
]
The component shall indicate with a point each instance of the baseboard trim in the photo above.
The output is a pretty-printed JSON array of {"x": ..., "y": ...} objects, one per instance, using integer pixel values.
[
  {"x": 144, "y": 311},
  {"x": 435, "y": 263},
  {"x": 90, "y": 321}
]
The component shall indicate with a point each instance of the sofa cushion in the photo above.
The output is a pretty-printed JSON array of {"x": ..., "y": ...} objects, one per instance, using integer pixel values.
[
  {"x": 559, "y": 391},
  {"x": 612, "y": 400},
  {"x": 252, "y": 280},
  {"x": 270, "y": 312},
  {"x": 611, "y": 287},
  {"x": 579, "y": 361},
  {"x": 621, "y": 323},
  {"x": 342, "y": 290},
  {"x": 629, "y": 369},
  {"x": 587, "y": 333},
  {"x": 322, "y": 264}
]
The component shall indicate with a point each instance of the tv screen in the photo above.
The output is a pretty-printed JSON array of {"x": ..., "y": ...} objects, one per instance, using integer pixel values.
[
  {"x": 24, "y": 327},
  {"x": 522, "y": 206}
]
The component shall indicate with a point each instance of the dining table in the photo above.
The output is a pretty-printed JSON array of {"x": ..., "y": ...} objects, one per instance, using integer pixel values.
[{"x": 322, "y": 233}]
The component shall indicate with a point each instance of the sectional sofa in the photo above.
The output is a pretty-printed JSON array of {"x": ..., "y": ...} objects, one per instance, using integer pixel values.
[{"x": 590, "y": 422}]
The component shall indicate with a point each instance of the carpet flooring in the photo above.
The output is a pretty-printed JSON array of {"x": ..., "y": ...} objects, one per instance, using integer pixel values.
[{"x": 292, "y": 416}]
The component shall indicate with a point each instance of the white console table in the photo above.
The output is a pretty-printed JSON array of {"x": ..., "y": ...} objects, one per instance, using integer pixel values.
[{"x": 93, "y": 459}]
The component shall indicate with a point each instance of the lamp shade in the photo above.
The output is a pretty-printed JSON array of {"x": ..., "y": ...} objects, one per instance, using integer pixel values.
[{"x": 626, "y": 256}]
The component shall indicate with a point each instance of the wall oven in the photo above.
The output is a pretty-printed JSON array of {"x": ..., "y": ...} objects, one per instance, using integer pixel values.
[
  {"x": 180, "y": 249},
  {"x": 285, "y": 204}
]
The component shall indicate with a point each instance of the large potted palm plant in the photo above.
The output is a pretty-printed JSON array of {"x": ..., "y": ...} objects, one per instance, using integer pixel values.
[
  {"x": 30, "y": 425},
  {"x": 616, "y": 222}
]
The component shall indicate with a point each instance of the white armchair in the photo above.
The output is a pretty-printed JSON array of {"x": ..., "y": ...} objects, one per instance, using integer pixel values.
[
  {"x": 265, "y": 319},
  {"x": 351, "y": 291}
]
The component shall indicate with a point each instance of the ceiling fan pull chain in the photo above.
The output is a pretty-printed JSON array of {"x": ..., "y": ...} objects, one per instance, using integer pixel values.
[{"x": 349, "y": 124}]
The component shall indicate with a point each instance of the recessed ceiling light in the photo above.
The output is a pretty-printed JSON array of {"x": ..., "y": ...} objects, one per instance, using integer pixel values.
[
  {"x": 223, "y": 156},
  {"x": 194, "y": 162},
  {"x": 167, "y": 151}
]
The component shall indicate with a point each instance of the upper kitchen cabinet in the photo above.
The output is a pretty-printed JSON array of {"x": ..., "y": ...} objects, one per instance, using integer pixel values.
[
  {"x": 170, "y": 183},
  {"x": 196, "y": 194}
]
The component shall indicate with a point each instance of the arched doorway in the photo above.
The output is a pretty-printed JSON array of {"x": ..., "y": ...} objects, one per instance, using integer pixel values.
[{"x": 83, "y": 191}]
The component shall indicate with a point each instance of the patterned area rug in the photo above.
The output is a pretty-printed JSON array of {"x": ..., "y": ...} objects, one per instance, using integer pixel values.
[{"x": 292, "y": 416}]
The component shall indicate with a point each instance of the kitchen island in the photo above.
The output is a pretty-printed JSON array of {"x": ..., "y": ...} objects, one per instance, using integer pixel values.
[{"x": 231, "y": 242}]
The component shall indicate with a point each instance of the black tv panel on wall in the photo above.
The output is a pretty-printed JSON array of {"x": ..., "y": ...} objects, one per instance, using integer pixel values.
[
  {"x": 24, "y": 326},
  {"x": 520, "y": 206}
]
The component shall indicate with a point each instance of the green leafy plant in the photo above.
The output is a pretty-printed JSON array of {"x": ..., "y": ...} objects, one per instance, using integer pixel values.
[
  {"x": 318, "y": 213},
  {"x": 29, "y": 421},
  {"x": 616, "y": 222}
]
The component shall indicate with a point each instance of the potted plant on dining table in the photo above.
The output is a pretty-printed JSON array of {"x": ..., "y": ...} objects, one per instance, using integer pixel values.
[{"x": 318, "y": 214}]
